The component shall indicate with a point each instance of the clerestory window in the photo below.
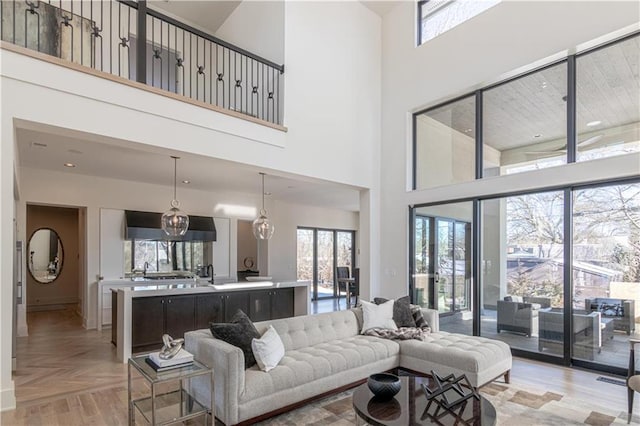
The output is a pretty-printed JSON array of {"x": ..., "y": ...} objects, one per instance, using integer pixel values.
[{"x": 438, "y": 16}]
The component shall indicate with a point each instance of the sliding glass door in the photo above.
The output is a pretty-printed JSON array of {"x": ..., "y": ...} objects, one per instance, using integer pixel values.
[
  {"x": 441, "y": 262},
  {"x": 320, "y": 252}
]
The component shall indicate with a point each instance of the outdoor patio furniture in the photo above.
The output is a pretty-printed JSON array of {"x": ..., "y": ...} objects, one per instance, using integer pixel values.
[
  {"x": 587, "y": 332},
  {"x": 621, "y": 311},
  {"x": 517, "y": 316}
]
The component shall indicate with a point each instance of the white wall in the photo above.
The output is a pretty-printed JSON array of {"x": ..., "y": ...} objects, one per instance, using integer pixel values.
[
  {"x": 287, "y": 218},
  {"x": 332, "y": 110},
  {"x": 508, "y": 36},
  {"x": 257, "y": 26}
]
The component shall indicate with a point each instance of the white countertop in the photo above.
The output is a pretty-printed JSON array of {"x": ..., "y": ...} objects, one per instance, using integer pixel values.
[{"x": 174, "y": 287}]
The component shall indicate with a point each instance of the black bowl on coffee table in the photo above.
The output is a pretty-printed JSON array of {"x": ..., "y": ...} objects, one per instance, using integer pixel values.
[{"x": 384, "y": 385}]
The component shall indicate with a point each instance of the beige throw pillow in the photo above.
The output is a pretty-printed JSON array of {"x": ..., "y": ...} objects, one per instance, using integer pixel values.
[
  {"x": 378, "y": 316},
  {"x": 268, "y": 350}
]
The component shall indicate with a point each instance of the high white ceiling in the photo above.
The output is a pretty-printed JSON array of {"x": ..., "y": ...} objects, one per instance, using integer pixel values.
[
  {"x": 208, "y": 15},
  {"x": 381, "y": 7},
  {"x": 135, "y": 162}
]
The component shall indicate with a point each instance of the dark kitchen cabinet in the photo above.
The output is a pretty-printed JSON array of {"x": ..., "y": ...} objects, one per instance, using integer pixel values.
[
  {"x": 271, "y": 304},
  {"x": 282, "y": 303},
  {"x": 260, "y": 305},
  {"x": 154, "y": 316},
  {"x": 209, "y": 308},
  {"x": 179, "y": 315},
  {"x": 151, "y": 317},
  {"x": 233, "y": 301},
  {"x": 147, "y": 322}
]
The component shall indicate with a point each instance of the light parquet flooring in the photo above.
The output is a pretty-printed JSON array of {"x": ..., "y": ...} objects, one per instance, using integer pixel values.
[
  {"x": 70, "y": 376},
  {"x": 59, "y": 357}
]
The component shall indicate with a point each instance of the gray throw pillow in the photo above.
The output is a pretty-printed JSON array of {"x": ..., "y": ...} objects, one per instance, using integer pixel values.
[
  {"x": 401, "y": 311},
  {"x": 416, "y": 311},
  {"x": 239, "y": 332}
]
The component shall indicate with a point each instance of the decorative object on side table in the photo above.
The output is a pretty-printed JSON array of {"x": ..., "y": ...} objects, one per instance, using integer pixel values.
[
  {"x": 171, "y": 356},
  {"x": 171, "y": 346},
  {"x": 450, "y": 395},
  {"x": 384, "y": 385}
]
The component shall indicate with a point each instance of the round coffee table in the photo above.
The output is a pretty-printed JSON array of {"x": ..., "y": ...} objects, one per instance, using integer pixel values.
[{"x": 409, "y": 407}]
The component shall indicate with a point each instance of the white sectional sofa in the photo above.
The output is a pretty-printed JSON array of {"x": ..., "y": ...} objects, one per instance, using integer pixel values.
[{"x": 325, "y": 353}]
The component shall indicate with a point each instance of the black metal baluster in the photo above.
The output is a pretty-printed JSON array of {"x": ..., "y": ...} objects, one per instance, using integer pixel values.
[
  {"x": 153, "y": 51},
  {"x": 278, "y": 98},
  {"x": 128, "y": 44},
  {"x": 197, "y": 68},
  {"x": 122, "y": 39},
  {"x": 184, "y": 55},
  {"x": 110, "y": 36},
  {"x": 211, "y": 73},
  {"x": 14, "y": 21},
  {"x": 32, "y": 11},
  {"x": 168, "y": 56},
  {"x": 229, "y": 78},
  {"x": 158, "y": 53},
  {"x": 81, "y": 31},
  {"x": 271, "y": 94},
  {"x": 190, "y": 64}
]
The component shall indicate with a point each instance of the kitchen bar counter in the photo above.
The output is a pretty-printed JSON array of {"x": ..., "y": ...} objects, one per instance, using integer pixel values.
[{"x": 197, "y": 296}]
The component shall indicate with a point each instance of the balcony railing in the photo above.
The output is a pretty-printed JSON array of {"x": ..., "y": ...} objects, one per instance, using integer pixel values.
[{"x": 127, "y": 39}]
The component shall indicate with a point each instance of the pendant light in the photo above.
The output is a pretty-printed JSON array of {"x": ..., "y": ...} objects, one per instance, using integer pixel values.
[
  {"x": 262, "y": 228},
  {"x": 175, "y": 222}
]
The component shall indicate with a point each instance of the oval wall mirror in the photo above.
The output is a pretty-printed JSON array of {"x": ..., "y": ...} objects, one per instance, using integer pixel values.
[{"x": 45, "y": 255}]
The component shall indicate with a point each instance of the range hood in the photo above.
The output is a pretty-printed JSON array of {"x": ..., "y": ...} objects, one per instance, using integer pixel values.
[{"x": 146, "y": 226}]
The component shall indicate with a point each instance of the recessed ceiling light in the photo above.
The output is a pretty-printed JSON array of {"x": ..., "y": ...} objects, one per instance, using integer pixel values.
[
  {"x": 537, "y": 135},
  {"x": 594, "y": 123},
  {"x": 186, "y": 181},
  {"x": 544, "y": 84},
  {"x": 267, "y": 193},
  {"x": 69, "y": 165},
  {"x": 468, "y": 130}
]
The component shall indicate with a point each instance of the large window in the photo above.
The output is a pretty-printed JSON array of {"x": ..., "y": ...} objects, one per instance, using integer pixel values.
[
  {"x": 445, "y": 144},
  {"x": 166, "y": 256},
  {"x": 558, "y": 265},
  {"x": 606, "y": 269},
  {"x": 608, "y": 95},
  {"x": 522, "y": 271},
  {"x": 540, "y": 119},
  {"x": 319, "y": 253},
  {"x": 525, "y": 123},
  {"x": 438, "y": 16}
]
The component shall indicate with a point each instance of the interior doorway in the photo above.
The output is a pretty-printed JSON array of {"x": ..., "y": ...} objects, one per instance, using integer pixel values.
[{"x": 55, "y": 249}]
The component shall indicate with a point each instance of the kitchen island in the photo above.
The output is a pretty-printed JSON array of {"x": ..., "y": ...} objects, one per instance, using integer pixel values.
[{"x": 145, "y": 311}]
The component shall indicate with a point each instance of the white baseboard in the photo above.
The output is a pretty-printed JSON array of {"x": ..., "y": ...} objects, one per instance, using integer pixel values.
[{"x": 8, "y": 399}]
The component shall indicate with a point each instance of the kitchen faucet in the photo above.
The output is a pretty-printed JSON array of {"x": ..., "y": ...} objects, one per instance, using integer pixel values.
[
  {"x": 145, "y": 268},
  {"x": 210, "y": 268}
]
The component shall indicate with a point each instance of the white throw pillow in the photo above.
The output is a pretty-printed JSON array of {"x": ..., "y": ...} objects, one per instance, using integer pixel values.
[
  {"x": 268, "y": 350},
  {"x": 378, "y": 316}
]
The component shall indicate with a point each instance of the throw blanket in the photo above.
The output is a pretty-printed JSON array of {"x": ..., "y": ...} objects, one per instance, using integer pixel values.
[{"x": 402, "y": 333}]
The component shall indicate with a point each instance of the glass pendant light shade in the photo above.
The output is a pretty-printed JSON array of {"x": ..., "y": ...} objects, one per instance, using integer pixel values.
[
  {"x": 175, "y": 222},
  {"x": 262, "y": 227}
]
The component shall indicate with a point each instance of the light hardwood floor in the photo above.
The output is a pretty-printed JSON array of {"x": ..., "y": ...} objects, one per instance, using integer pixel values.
[{"x": 69, "y": 376}]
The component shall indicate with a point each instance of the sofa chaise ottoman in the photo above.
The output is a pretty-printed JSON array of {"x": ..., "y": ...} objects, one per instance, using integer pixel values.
[{"x": 325, "y": 353}]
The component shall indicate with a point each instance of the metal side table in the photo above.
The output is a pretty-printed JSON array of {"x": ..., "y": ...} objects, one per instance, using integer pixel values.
[{"x": 170, "y": 407}]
